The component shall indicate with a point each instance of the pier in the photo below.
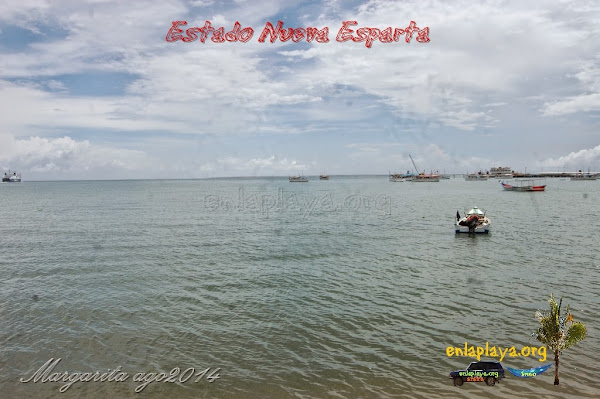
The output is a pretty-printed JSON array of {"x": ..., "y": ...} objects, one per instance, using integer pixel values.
[{"x": 551, "y": 174}]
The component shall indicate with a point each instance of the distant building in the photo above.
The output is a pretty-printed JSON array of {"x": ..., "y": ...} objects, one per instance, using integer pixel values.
[{"x": 504, "y": 172}]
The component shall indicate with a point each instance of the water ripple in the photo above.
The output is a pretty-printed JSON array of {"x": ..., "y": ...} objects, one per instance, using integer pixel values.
[{"x": 335, "y": 303}]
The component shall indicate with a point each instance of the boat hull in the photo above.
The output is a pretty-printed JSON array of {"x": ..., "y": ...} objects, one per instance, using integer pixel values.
[
  {"x": 508, "y": 187},
  {"x": 11, "y": 178},
  {"x": 474, "y": 221},
  {"x": 425, "y": 179},
  {"x": 481, "y": 229}
]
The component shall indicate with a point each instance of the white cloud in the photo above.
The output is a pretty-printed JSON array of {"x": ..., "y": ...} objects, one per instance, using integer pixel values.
[
  {"x": 474, "y": 49},
  {"x": 56, "y": 85},
  {"x": 49, "y": 158},
  {"x": 201, "y": 3},
  {"x": 478, "y": 73},
  {"x": 236, "y": 166},
  {"x": 589, "y": 83},
  {"x": 577, "y": 159},
  {"x": 581, "y": 103},
  {"x": 26, "y": 107},
  {"x": 439, "y": 81}
]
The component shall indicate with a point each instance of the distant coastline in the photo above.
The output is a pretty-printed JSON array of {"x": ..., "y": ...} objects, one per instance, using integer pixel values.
[{"x": 316, "y": 177}]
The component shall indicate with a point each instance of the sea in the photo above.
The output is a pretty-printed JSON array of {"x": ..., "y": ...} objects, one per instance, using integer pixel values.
[{"x": 352, "y": 287}]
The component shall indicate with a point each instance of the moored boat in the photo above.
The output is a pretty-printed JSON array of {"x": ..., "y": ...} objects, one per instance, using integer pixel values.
[
  {"x": 476, "y": 176},
  {"x": 398, "y": 177},
  {"x": 580, "y": 176},
  {"x": 14, "y": 178},
  {"x": 523, "y": 185},
  {"x": 298, "y": 179},
  {"x": 324, "y": 177},
  {"x": 584, "y": 177},
  {"x": 423, "y": 177},
  {"x": 474, "y": 221}
]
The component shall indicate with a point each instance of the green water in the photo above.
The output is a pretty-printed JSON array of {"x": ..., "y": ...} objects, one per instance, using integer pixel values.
[{"x": 347, "y": 288}]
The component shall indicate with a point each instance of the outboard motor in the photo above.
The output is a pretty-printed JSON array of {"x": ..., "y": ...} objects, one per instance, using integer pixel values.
[{"x": 472, "y": 223}]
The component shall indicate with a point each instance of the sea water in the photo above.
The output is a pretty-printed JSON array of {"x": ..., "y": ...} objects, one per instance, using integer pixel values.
[{"x": 348, "y": 288}]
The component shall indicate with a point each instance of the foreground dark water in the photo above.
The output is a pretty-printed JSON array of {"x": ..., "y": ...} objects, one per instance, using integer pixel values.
[{"x": 348, "y": 288}]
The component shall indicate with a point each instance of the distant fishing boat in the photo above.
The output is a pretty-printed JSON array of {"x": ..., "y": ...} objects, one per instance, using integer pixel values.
[
  {"x": 324, "y": 177},
  {"x": 298, "y": 179},
  {"x": 14, "y": 178},
  {"x": 584, "y": 176},
  {"x": 422, "y": 176},
  {"x": 401, "y": 177},
  {"x": 476, "y": 177},
  {"x": 523, "y": 185}
]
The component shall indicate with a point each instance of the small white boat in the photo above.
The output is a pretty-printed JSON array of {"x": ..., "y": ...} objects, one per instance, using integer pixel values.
[
  {"x": 397, "y": 177},
  {"x": 475, "y": 221},
  {"x": 476, "y": 177},
  {"x": 298, "y": 179},
  {"x": 584, "y": 176},
  {"x": 324, "y": 177}
]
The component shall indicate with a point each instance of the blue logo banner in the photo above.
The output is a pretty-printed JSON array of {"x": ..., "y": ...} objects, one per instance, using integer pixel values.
[{"x": 528, "y": 373}]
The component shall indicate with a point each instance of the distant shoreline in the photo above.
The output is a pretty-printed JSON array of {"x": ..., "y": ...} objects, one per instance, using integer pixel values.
[{"x": 516, "y": 175}]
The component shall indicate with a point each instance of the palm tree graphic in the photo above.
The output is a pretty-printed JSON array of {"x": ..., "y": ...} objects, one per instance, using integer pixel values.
[{"x": 558, "y": 332}]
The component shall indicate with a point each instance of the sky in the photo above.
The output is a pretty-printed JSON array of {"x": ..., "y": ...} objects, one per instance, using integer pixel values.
[{"x": 94, "y": 90}]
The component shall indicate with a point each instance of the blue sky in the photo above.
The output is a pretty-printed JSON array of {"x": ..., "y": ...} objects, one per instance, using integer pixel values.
[{"x": 92, "y": 90}]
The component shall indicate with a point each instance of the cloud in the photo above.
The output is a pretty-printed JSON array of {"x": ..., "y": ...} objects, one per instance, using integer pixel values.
[
  {"x": 478, "y": 79},
  {"x": 201, "y": 3},
  {"x": 64, "y": 156},
  {"x": 588, "y": 78},
  {"x": 477, "y": 53},
  {"x": 464, "y": 119},
  {"x": 28, "y": 106},
  {"x": 577, "y": 159},
  {"x": 236, "y": 166},
  {"x": 581, "y": 103},
  {"x": 187, "y": 76},
  {"x": 409, "y": 77}
]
